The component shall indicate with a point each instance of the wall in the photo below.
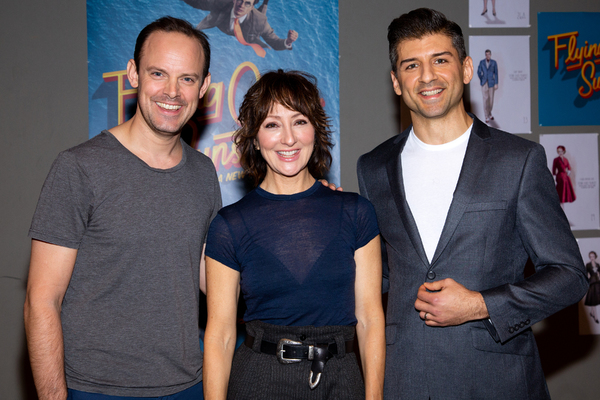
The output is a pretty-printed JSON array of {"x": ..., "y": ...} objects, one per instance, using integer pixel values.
[
  {"x": 43, "y": 103},
  {"x": 43, "y": 109}
]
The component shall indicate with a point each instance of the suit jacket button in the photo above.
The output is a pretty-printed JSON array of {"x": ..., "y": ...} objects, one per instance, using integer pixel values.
[
  {"x": 511, "y": 329},
  {"x": 527, "y": 322},
  {"x": 431, "y": 275},
  {"x": 517, "y": 327}
]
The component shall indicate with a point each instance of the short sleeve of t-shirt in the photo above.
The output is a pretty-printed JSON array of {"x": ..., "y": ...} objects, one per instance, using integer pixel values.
[
  {"x": 220, "y": 243},
  {"x": 366, "y": 222},
  {"x": 61, "y": 214}
]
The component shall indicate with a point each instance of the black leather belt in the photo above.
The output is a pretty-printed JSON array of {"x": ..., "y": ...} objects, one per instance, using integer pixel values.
[{"x": 290, "y": 351}]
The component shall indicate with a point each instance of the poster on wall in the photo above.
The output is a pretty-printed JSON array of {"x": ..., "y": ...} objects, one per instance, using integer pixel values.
[
  {"x": 270, "y": 35},
  {"x": 589, "y": 306},
  {"x": 500, "y": 91},
  {"x": 568, "y": 60},
  {"x": 573, "y": 160},
  {"x": 498, "y": 14}
]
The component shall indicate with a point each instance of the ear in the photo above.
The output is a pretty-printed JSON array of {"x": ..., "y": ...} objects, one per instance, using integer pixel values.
[
  {"x": 205, "y": 86},
  {"x": 396, "y": 84},
  {"x": 467, "y": 70},
  {"x": 132, "y": 74}
]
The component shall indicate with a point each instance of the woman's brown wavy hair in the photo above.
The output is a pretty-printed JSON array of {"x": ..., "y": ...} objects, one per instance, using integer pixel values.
[{"x": 296, "y": 91}]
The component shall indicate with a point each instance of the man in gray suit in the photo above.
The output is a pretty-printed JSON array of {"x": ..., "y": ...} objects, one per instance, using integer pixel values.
[
  {"x": 488, "y": 78},
  {"x": 253, "y": 23},
  {"x": 461, "y": 208}
]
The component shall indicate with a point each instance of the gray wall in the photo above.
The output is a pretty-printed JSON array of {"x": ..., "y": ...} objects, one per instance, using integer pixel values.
[{"x": 43, "y": 109}]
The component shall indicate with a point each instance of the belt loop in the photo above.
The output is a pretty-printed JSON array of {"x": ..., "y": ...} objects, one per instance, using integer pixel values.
[
  {"x": 341, "y": 345},
  {"x": 257, "y": 338}
]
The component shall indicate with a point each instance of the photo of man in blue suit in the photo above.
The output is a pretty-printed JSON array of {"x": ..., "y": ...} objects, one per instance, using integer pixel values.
[{"x": 488, "y": 78}]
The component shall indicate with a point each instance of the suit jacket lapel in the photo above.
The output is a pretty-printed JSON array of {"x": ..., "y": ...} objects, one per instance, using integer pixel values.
[
  {"x": 475, "y": 158},
  {"x": 394, "y": 173}
]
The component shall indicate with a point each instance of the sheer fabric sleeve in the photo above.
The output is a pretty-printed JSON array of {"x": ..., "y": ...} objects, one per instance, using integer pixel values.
[
  {"x": 220, "y": 243},
  {"x": 366, "y": 222}
]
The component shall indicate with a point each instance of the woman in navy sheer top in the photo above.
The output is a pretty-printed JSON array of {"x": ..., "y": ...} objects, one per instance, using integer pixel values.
[{"x": 305, "y": 258}]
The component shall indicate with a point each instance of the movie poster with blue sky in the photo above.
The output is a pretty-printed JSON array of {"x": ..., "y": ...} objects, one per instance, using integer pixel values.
[
  {"x": 113, "y": 26},
  {"x": 569, "y": 68}
]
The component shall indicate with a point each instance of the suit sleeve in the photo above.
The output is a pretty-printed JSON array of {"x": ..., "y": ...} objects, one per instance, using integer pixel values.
[
  {"x": 269, "y": 36},
  {"x": 560, "y": 279},
  {"x": 385, "y": 283},
  {"x": 497, "y": 76},
  {"x": 480, "y": 73}
]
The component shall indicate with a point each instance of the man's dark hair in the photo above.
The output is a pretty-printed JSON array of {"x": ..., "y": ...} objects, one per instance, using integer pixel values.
[
  {"x": 296, "y": 91},
  {"x": 171, "y": 24},
  {"x": 488, "y": 51},
  {"x": 420, "y": 23}
]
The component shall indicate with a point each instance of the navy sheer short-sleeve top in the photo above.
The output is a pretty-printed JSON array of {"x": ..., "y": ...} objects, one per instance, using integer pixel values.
[{"x": 295, "y": 253}]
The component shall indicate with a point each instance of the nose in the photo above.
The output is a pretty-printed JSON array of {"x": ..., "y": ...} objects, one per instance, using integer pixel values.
[
  {"x": 287, "y": 135},
  {"x": 427, "y": 73},
  {"x": 172, "y": 88}
]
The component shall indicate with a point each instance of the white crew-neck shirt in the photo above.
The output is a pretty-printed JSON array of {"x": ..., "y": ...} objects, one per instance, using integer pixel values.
[{"x": 430, "y": 174}]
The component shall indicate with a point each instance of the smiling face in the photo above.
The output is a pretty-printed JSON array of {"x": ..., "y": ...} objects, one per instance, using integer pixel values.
[
  {"x": 242, "y": 7},
  {"x": 286, "y": 140},
  {"x": 430, "y": 76},
  {"x": 169, "y": 81}
]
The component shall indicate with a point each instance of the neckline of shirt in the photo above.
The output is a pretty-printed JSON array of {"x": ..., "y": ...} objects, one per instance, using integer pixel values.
[
  {"x": 286, "y": 197},
  {"x": 461, "y": 140},
  {"x": 167, "y": 170}
]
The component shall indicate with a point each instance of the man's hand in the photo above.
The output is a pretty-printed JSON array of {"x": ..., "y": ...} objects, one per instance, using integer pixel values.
[
  {"x": 496, "y": 86},
  {"x": 291, "y": 37},
  {"x": 448, "y": 303},
  {"x": 331, "y": 185}
]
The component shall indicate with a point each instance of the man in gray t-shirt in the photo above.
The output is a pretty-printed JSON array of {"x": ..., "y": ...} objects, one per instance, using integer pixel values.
[{"x": 117, "y": 240}]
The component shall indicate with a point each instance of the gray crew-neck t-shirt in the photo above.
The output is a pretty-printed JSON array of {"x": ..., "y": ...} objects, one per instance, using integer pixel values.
[{"x": 130, "y": 312}]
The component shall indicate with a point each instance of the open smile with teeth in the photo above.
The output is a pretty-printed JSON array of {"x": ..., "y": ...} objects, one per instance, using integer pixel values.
[
  {"x": 288, "y": 153},
  {"x": 168, "y": 106},
  {"x": 431, "y": 92}
]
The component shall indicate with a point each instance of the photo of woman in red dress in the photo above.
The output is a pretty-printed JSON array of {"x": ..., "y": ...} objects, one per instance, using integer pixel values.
[{"x": 562, "y": 169}]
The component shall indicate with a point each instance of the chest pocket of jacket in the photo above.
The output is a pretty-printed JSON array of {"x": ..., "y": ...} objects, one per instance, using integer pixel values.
[{"x": 490, "y": 206}]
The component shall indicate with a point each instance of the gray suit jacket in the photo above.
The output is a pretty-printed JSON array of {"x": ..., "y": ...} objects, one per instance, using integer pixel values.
[
  {"x": 505, "y": 210},
  {"x": 253, "y": 28}
]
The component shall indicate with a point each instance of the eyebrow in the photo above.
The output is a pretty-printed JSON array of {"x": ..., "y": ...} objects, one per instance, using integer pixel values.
[
  {"x": 192, "y": 74},
  {"x": 277, "y": 116},
  {"x": 434, "y": 55}
]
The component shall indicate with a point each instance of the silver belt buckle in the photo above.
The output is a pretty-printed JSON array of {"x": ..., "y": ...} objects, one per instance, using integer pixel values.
[{"x": 280, "y": 351}]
